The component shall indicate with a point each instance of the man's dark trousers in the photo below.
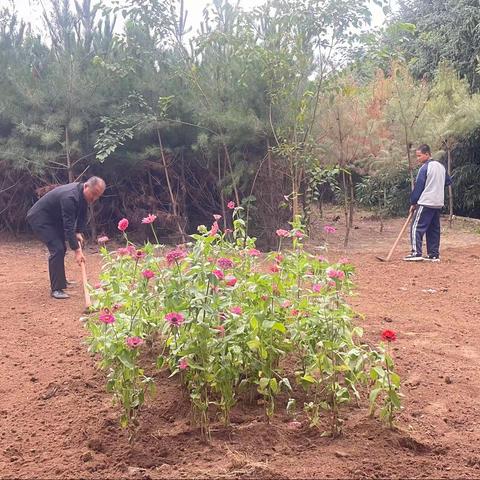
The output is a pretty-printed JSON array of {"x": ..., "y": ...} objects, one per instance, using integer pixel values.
[
  {"x": 426, "y": 222},
  {"x": 53, "y": 237}
]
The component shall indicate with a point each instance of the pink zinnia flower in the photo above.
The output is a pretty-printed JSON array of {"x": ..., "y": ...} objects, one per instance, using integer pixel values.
[
  {"x": 175, "y": 319},
  {"x": 317, "y": 287},
  {"x": 138, "y": 254},
  {"x": 224, "y": 263},
  {"x": 217, "y": 217},
  {"x": 253, "y": 252},
  {"x": 294, "y": 312},
  {"x": 331, "y": 283},
  {"x": 282, "y": 233},
  {"x": 122, "y": 224},
  {"x": 264, "y": 298},
  {"x": 103, "y": 239},
  {"x": 237, "y": 310},
  {"x": 279, "y": 258},
  {"x": 286, "y": 304},
  {"x": 175, "y": 255},
  {"x": 321, "y": 258},
  {"x": 329, "y": 229},
  {"x": 230, "y": 280},
  {"x": 183, "y": 364},
  {"x": 214, "y": 229},
  {"x": 219, "y": 274},
  {"x": 106, "y": 317},
  {"x": 133, "y": 342},
  {"x": 338, "y": 274},
  {"x": 149, "y": 219},
  {"x": 148, "y": 274},
  {"x": 299, "y": 234},
  {"x": 231, "y": 205},
  {"x": 274, "y": 268}
]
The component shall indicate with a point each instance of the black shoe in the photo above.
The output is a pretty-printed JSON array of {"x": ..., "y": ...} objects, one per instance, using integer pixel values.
[
  {"x": 413, "y": 258},
  {"x": 432, "y": 258},
  {"x": 59, "y": 295}
]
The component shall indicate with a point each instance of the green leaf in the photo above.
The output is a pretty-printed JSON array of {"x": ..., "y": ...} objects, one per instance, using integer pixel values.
[{"x": 279, "y": 326}]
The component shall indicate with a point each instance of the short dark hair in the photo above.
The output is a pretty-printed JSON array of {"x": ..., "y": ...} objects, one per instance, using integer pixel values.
[
  {"x": 93, "y": 182},
  {"x": 424, "y": 148}
]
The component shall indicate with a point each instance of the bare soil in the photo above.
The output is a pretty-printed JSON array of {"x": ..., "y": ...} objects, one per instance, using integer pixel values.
[{"x": 57, "y": 421}]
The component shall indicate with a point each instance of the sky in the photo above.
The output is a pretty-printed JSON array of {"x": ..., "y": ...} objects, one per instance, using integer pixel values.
[{"x": 30, "y": 10}]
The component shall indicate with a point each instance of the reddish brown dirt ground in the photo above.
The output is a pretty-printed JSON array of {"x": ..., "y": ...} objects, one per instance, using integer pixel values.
[{"x": 56, "y": 421}]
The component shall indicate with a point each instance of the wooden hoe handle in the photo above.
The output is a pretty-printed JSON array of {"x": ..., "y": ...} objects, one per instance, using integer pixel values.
[
  {"x": 394, "y": 246},
  {"x": 88, "y": 302}
]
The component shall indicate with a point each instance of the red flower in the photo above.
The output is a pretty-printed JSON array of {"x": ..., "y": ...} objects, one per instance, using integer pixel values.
[
  {"x": 224, "y": 263},
  {"x": 274, "y": 268},
  {"x": 183, "y": 364},
  {"x": 231, "y": 205},
  {"x": 133, "y": 342},
  {"x": 148, "y": 274},
  {"x": 175, "y": 255},
  {"x": 389, "y": 335},
  {"x": 237, "y": 310},
  {"x": 175, "y": 319},
  {"x": 219, "y": 274},
  {"x": 338, "y": 274},
  {"x": 214, "y": 230},
  {"x": 149, "y": 219},
  {"x": 230, "y": 280},
  {"x": 282, "y": 233},
  {"x": 122, "y": 224},
  {"x": 106, "y": 317}
]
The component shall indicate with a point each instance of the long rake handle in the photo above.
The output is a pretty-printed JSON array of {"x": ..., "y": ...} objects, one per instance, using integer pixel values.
[
  {"x": 88, "y": 302},
  {"x": 394, "y": 246}
]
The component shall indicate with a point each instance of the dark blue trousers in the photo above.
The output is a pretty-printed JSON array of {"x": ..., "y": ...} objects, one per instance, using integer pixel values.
[{"x": 426, "y": 221}]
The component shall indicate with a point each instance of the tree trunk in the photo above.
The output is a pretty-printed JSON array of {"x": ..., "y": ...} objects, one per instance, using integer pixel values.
[
  {"x": 352, "y": 199},
  {"x": 222, "y": 197},
  {"x": 345, "y": 208},
  {"x": 450, "y": 189},
  {"x": 69, "y": 161},
  {"x": 410, "y": 168},
  {"x": 293, "y": 171},
  {"x": 235, "y": 190},
  {"x": 169, "y": 185}
]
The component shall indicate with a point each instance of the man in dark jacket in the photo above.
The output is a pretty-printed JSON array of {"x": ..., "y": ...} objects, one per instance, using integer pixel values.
[{"x": 60, "y": 216}]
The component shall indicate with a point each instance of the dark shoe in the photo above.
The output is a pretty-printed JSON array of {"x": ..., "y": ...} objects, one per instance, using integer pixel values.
[
  {"x": 432, "y": 258},
  {"x": 413, "y": 258},
  {"x": 59, "y": 295}
]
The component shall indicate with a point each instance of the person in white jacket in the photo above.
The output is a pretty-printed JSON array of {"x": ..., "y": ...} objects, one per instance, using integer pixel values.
[{"x": 427, "y": 201}]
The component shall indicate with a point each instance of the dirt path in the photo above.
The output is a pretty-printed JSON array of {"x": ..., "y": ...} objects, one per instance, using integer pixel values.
[{"x": 56, "y": 421}]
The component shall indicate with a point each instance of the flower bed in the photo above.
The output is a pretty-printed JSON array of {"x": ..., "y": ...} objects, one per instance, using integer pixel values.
[{"x": 223, "y": 317}]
